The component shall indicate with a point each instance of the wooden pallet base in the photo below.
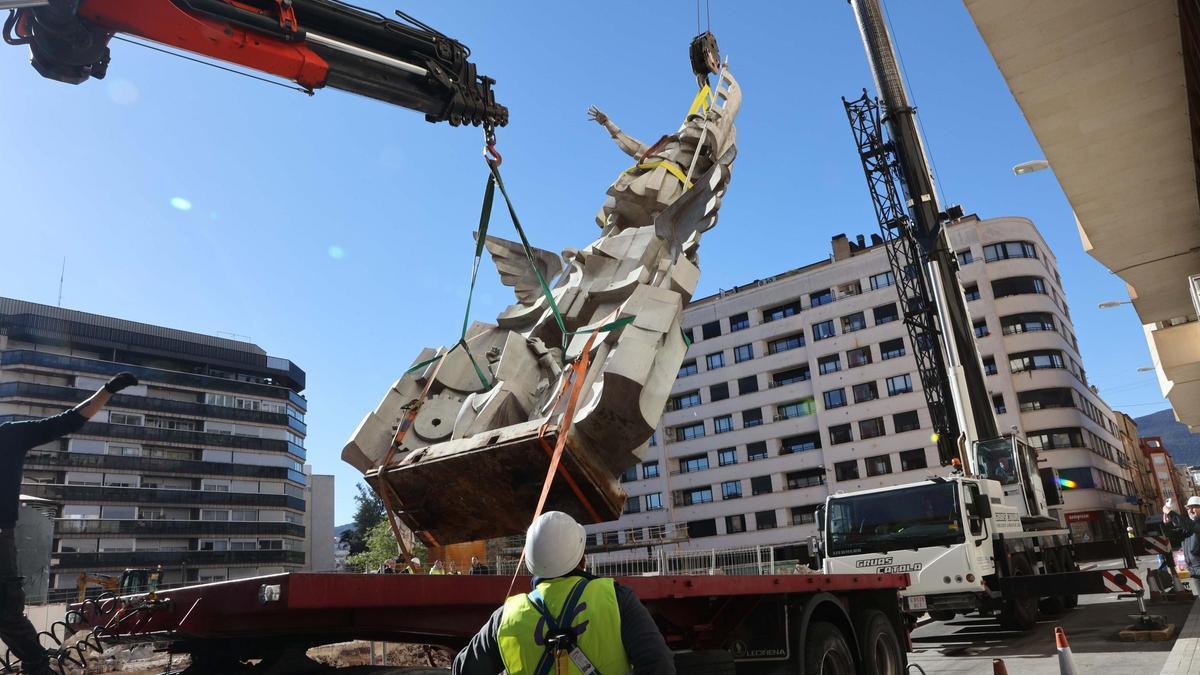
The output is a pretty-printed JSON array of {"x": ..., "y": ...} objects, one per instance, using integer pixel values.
[{"x": 1132, "y": 634}]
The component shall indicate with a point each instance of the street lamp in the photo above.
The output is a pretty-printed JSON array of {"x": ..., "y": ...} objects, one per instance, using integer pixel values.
[
  {"x": 1030, "y": 167},
  {"x": 1114, "y": 303},
  {"x": 1146, "y": 369}
]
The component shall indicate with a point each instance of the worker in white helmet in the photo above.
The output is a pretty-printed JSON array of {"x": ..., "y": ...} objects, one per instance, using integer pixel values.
[
  {"x": 571, "y": 622},
  {"x": 1187, "y": 529}
]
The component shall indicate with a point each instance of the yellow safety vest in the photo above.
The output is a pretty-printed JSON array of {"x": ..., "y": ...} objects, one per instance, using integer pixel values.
[
  {"x": 596, "y": 623},
  {"x": 436, "y": 571}
]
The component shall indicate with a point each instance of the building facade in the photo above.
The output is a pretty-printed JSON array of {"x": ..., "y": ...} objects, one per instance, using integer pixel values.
[
  {"x": 199, "y": 468},
  {"x": 804, "y": 384},
  {"x": 1168, "y": 482},
  {"x": 1140, "y": 471}
]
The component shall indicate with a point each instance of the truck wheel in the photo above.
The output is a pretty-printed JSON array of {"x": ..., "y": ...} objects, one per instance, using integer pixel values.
[
  {"x": 705, "y": 662},
  {"x": 826, "y": 651},
  {"x": 942, "y": 614},
  {"x": 880, "y": 647},
  {"x": 1020, "y": 613}
]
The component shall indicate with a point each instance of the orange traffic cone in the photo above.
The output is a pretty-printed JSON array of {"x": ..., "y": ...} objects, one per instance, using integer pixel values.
[
  {"x": 1066, "y": 662},
  {"x": 998, "y": 667}
]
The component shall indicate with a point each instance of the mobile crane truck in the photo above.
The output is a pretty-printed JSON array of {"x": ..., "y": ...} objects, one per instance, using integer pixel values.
[{"x": 980, "y": 538}]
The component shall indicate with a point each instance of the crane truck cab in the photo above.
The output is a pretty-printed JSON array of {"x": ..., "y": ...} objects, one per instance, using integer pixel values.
[{"x": 956, "y": 536}]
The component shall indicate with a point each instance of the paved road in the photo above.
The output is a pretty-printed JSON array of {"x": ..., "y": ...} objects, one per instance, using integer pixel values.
[{"x": 967, "y": 644}]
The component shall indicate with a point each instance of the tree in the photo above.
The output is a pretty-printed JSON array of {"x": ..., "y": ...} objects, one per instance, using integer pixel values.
[
  {"x": 369, "y": 513},
  {"x": 379, "y": 545}
]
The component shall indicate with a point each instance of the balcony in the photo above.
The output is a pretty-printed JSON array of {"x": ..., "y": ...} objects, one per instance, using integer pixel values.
[
  {"x": 79, "y": 461},
  {"x": 121, "y": 559},
  {"x": 94, "y": 494},
  {"x": 200, "y": 438},
  {"x": 72, "y": 527},
  {"x": 24, "y": 357},
  {"x": 71, "y": 395}
]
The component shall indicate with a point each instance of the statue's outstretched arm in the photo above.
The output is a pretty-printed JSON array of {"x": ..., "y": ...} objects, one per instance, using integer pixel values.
[{"x": 628, "y": 144}]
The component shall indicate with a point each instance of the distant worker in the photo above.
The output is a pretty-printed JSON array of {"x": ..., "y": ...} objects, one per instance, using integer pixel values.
[
  {"x": 1189, "y": 530},
  {"x": 17, "y": 439},
  {"x": 388, "y": 566},
  {"x": 438, "y": 568},
  {"x": 453, "y": 568},
  {"x": 478, "y": 567},
  {"x": 570, "y": 617},
  {"x": 1130, "y": 533}
]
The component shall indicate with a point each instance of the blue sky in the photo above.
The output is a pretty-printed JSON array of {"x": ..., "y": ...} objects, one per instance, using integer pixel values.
[{"x": 336, "y": 231}]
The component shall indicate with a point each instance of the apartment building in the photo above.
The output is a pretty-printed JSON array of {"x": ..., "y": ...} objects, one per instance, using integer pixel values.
[
  {"x": 804, "y": 384},
  {"x": 1140, "y": 471},
  {"x": 200, "y": 468},
  {"x": 1169, "y": 480}
]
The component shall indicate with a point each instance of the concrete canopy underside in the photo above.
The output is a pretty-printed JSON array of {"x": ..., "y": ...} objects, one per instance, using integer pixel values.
[{"x": 1104, "y": 85}]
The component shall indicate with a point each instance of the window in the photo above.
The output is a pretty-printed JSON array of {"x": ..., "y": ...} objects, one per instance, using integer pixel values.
[
  {"x": 913, "y": 459},
  {"x": 689, "y": 431},
  {"x": 791, "y": 376},
  {"x": 693, "y": 463},
  {"x": 856, "y": 358},
  {"x": 1009, "y": 249},
  {"x": 760, "y": 485},
  {"x": 1041, "y": 399},
  {"x": 885, "y": 313},
  {"x": 214, "y": 514},
  {"x": 834, "y": 398},
  {"x": 214, "y": 545},
  {"x": 965, "y": 258},
  {"x": 781, "y": 312},
  {"x": 1002, "y": 288},
  {"x": 702, "y": 495},
  {"x": 735, "y": 524},
  {"x": 800, "y": 443},
  {"x": 882, "y": 280},
  {"x": 1028, "y": 322},
  {"x": 765, "y": 520},
  {"x": 244, "y": 515},
  {"x": 849, "y": 288},
  {"x": 786, "y": 343},
  {"x": 752, "y": 417},
  {"x": 1055, "y": 439},
  {"x": 846, "y": 470},
  {"x": 891, "y": 349},
  {"x": 1036, "y": 360},
  {"x": 739, "y": 322},
  {"x": 654, "y": 501},
  {"x": 692, "y": 398},
  {"x": 748, "y": 384},
  {"x": 1077, "y": 479},
  {"x": 906, "y": 421},
  {"x": 743, "y": 353},
  {"x": 731, "y": 489},
  {"x": 698, "y": 529},
  {"x": 872, "y": 428},
  {"x": 629, "y": 475},
  {"x": 805, "y": 515},
  {"x": 124, "y": 418},
  {"x": 653, "y": 439},
  {"x": 633, "y": 505},
  {"x": 727, "y": 456},
  {"x": 823, "y": 330},
  {"x": 998, "y": 404},
  {"x": 711, "y": 330},
  {"x": 900, "y": 384},
  {"x": 718, "y": 392},
  {"x": 715, "y": 361},
  {"x": 981, "y": 328},
  {"x": 989, "y": 365},
  {"x": 756, "y": 451},
  {"x": 971, "y": 292},
  {"x": 650, "y": 469},
  {"x": 853, "y": 322},
  {"x": 878, "y": 465},
  {"x": 723, "y": 424},
  {"x": 802, "y": 408},
  {"x": 829, "y": 364},
  {"x": 688, "y": 368},
  {"x": 798, "y": 480},
  {"x": 840, "y": 433},
  {"x": 821, "y": 297},
  {"x": 867, "y": 391}
]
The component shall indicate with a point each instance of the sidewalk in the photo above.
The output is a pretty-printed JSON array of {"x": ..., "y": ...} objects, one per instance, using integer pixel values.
[{"x": 1185, "y": 655}]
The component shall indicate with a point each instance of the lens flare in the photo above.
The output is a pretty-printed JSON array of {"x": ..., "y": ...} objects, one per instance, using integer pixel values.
[
  {"x": 1067, "y": 483},
  {"x": 181, "y": 204},
  {"x": 337, "y": 252}
]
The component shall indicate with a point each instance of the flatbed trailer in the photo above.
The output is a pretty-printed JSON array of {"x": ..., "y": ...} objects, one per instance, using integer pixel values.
[{"x": 804, "y": 623}]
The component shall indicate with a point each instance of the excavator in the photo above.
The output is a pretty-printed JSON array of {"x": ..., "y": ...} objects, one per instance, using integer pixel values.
[
  {"x": 313, "y": 43},
  {"x": 141, "y": 580}
]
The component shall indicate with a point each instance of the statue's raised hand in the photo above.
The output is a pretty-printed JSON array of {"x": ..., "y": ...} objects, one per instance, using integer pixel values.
[{"x": 597, "y": 115}]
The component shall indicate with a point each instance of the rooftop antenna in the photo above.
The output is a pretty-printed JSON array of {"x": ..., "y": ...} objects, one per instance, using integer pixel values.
[{"x": 62, "y": 273}]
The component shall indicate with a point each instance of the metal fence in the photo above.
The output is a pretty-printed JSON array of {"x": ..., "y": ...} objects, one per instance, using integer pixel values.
[{"x": 747, "y": 561}]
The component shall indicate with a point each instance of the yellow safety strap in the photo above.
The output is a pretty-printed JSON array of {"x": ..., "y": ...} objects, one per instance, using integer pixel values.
[
  {"x": 700, "y": 103},
  {"x": 669, "y": 166}
]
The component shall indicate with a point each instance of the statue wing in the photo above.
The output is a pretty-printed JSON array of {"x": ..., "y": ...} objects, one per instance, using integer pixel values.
[{"x": 515, "y": 270}]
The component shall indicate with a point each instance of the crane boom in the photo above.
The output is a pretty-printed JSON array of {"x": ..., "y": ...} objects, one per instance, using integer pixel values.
[{"x": 314, "y": 43}]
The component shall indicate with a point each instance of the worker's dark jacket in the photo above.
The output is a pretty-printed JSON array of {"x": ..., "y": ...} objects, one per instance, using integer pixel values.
[
  {"x": 16, "y": 439},
  {"x": 1189, "y": 530},
  {"x": 644, "y": 643}
]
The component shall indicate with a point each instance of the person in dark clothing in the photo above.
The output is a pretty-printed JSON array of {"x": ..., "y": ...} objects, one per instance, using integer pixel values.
[
  {"x": 16, "y": 439},
  {"x": 1187, "y": 529},
  {"x": 478, "y": 567},
  {"x": 608, "y": 626}
]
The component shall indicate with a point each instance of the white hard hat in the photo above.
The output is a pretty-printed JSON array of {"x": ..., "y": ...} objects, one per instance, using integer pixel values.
[
  {"x": 553, "y": 545},
  {"x": 416, "y": 561},
  {"x": 1193, "y": 501}
]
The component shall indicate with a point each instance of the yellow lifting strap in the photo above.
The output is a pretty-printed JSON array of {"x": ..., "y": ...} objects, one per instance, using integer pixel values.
[
  {"x": 700, "y": 103},
  {"x": 669, "y": 166}
]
